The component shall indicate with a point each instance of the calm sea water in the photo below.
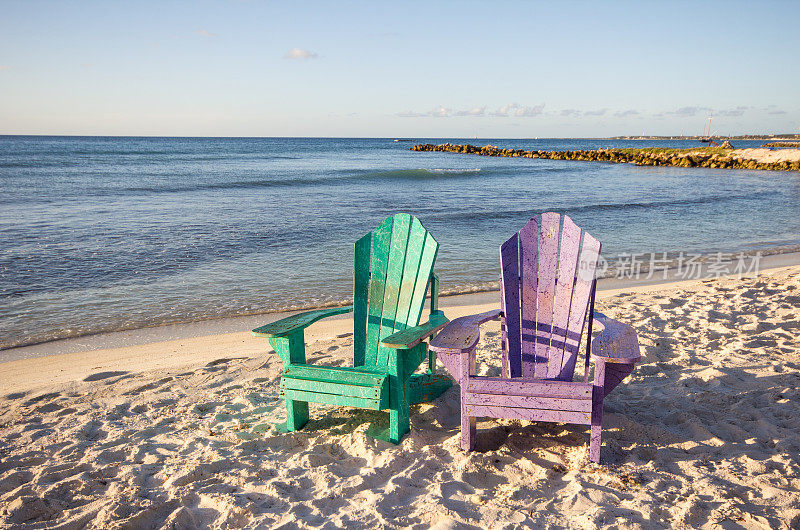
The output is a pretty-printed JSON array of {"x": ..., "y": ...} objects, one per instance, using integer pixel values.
[{"x": 106, "y": 233}]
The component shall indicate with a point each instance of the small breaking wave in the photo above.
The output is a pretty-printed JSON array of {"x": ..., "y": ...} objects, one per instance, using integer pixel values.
[
  {"x": 348, "y": 177},
  {"x": 419, "y": 173}
]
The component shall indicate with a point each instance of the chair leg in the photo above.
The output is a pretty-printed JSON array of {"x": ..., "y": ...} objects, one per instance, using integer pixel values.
[
  {"x": 597, "y": 425},
  {"x": 468, "y": 424},
  {"x": 468, "y": 431},
  {"x": 296, "y": 414},
  {"x": 399, "y": 424}
]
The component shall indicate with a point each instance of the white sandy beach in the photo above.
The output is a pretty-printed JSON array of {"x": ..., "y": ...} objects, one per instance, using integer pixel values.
[
  {"x": 767, "y": 156},
  {"x": 178, "y": 434}
]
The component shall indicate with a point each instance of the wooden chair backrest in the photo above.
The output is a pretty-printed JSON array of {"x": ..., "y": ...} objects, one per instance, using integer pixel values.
[
  {"x": 393, "y": 266},
  {"x": 546, "y": 283}
]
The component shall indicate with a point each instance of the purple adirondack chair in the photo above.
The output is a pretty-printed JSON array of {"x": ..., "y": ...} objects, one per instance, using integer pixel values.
[{"x": 546, "y": 290}]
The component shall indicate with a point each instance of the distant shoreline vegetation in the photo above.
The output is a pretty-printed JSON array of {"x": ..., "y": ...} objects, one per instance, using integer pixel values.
[
  {"x": 716, "y": 137},
  {"x": 711, "y": 157}
]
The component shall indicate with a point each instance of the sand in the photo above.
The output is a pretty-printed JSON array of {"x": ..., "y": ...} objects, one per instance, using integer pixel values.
[
  {"x": 768, "y": 156},
  {"x": 179, "y": 434}
]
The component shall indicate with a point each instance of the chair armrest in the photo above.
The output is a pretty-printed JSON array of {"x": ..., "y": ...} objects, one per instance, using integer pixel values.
[
  {"x": 617, "y": 343},
  {"x": 285, "y": 326},
  {"x": 410, "y": 337},
  {"x": 462, "y": 334}
]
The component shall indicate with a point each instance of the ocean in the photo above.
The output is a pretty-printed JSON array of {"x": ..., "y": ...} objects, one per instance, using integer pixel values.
[{"x": 110, "y": 233}]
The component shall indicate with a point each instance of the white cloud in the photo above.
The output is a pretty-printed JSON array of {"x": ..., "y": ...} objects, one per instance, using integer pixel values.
[
  {"x": 297, "y": 53},
  {"x": 411, "y": 114},
  {"x": 686, "y": 112},
  {"x": 626, "y": 113},
  {"x": 527, "y": 112},
  {"x": 512, "y": 109},
  {"x": 515, "y": 109},
  {"x": 738, "y": 111},
  {"x": 475, "y": 111},
  {"x": 438, "y": 112},
  {"x": 205, "y": 33},
  {"x": 504, "y": 110}
]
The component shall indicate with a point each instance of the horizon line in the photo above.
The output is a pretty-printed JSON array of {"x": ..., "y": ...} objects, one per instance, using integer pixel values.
[{"x": 408, "y": 138}]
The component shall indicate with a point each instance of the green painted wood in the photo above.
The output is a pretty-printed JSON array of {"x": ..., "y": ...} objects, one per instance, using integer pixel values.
[
  {"x": 329, "y": 387},
  {"x": 413, "y": 357},
  {"x": 285, "y": 326},
  {"x": 380, "y": 259},
  {"x": 394, "y": 277},
  {"x": 350, "y": 376},
  {"x": 399, "y": 397},
  {"x": 363, "y": 250},
  {"x": 334, "y": 399},
  {"x": 291, "y": 349},
  {"x": 429, "y": 252},
  {"x": 410, "y": 337},
  {"x": 416, "y": 243},
  {"x": 434, "y": 285},
  {"x": 427, "y": 387},
  {"x": 402, "y": 364}
]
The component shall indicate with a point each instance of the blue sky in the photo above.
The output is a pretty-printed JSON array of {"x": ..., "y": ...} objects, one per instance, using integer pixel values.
[{"x": 455, "y": 69}]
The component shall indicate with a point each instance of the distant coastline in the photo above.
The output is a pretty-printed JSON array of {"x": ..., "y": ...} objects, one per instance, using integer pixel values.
[{"x": 770, "y": 137}]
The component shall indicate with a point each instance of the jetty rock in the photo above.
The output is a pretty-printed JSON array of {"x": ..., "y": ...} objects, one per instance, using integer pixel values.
[{"x": 725, "y": 157}]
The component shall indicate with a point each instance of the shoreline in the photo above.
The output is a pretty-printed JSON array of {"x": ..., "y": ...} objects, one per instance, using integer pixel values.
[
  {"x": 72, "y": 360},
  {"x": 215, "y": 325},
  {"x": 708, "y": 157}
]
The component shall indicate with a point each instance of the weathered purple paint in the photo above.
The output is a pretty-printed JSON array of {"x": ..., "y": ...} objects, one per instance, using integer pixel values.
[
  {"x": 528, "y": 387},
  {"x": 509, "y": 262},
  {"x": 451, "y": 362},
  {"x": 598, "y": 393},
  {"x": 581, "y": 293},
  {"x": 529, "y": 402},
  {"x": 545, "y": 291},
  {"x": 544, "y": 301},
  {"x": 513, "y": 413},
  {"x": 529, "y": 258},
  {"x": 615, "y": 373},
  {"x": 468, "y": 421},
  {"x": 567, "y": 263},
  {"x": 464, "y": 333}
]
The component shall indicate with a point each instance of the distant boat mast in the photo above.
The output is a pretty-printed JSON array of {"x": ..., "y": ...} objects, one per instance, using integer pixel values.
[{"x": 706, "y": 138}]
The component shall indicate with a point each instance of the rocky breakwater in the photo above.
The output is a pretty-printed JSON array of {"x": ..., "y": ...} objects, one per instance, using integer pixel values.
[
  {"x": 782, "y": 144},
  {"x": 700, "y": 157}
]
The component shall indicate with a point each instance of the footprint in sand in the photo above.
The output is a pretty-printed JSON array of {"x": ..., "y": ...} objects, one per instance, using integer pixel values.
[
  {"x": 44, "y": 397},
  {"x": 148, "y": 386},
  {"x": 225, "y": 361},
  {"x": 49, "y": 407}
]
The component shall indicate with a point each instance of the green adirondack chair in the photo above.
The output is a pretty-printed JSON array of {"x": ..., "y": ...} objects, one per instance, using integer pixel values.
[{"x": 393, "y": 271}]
